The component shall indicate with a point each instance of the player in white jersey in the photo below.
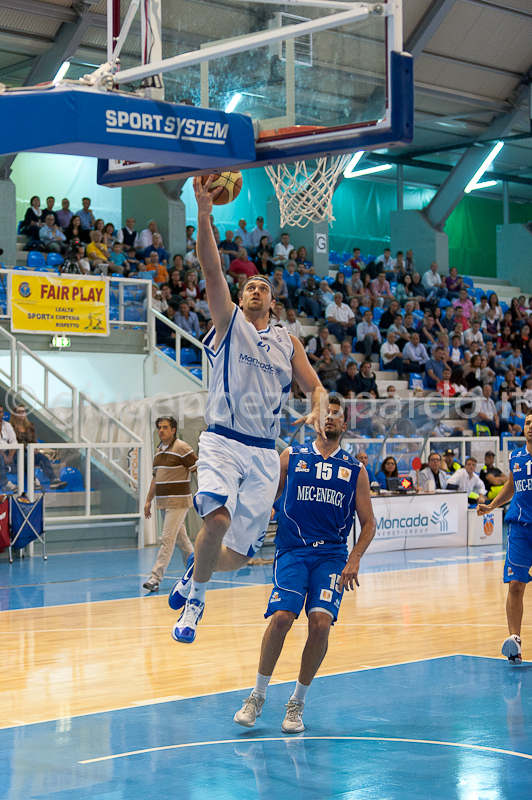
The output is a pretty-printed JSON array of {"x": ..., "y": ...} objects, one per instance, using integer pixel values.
[
  {"x": 238, "y": 467},
  {"x": 518, "y": 565}
]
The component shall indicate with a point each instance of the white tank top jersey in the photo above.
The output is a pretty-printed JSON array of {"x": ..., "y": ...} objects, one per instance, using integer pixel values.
[{"x": 250, "y": 380}]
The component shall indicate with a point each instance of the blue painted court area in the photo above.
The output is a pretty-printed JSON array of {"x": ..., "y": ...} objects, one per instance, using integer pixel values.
[
  {"x": 114, "y": 575},
  {"x": 448, "y": 728}
]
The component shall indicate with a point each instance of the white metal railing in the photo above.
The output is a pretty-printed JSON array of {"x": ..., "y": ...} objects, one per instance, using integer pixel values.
[
  {"x": 100, "y": 454},
  {"x": 180, "y": 335},
  {"x": 19, "y": 450},
  {"x": 510, "y": 443}
]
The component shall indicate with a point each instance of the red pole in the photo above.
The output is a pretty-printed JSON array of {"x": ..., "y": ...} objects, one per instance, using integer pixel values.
[{"x": 116, "y": 21}]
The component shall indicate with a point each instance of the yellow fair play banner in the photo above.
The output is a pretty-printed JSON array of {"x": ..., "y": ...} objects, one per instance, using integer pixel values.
[{"x": 44, "y": 303}]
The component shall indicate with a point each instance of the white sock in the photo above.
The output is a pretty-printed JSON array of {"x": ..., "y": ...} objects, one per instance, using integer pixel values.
[
  {"x": 261, "y": 684},
  {"x": 300, "y": 692},
  {"x": 197, "y": 590}
]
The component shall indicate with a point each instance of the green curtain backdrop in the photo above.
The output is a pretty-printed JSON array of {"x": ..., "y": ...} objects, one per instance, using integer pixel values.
[
  {"x": 472, "y": 229},
  {"x": 362, "y": 214}
]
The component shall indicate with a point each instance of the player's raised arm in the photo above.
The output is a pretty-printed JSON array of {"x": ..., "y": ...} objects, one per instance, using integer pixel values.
[
  {"x": 218, "y": 295},
  {"x": 504, "y": 496},
  {"x": 367, "y": 532},
  {"x": 310, "y": 384}
]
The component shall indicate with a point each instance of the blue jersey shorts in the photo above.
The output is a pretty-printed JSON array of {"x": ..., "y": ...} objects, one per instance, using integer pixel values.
[
  {"x": 306, "y": 573},
  {"x": 518, "y": 554}
]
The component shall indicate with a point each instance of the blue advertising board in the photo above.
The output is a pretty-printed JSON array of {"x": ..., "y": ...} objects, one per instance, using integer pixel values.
[{"x": 88, "y": 122}]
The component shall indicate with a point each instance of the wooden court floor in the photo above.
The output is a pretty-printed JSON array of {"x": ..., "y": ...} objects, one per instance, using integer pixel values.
[{"x": 68, "y": 660}]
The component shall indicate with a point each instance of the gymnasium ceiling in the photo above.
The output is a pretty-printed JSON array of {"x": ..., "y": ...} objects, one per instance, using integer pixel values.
[{"x": 473, "y": 65}]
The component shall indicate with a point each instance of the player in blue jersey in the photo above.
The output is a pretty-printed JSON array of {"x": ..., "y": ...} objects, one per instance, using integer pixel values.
[
  {"x": 518, "y": 489},
  {"x": 321, "y": 487},
  {"x": 252, "y": 365}
]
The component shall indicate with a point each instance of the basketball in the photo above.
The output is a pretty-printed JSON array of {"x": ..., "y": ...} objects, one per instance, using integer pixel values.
[
  {"x": 231, "y": 183},
  {"x": 488, "y": 527}
]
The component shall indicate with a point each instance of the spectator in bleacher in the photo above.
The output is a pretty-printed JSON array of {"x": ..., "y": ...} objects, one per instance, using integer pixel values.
[
  {"x": 389, "y": 316},
  {"x": 472, "y": 350},
  {"x": 215, "y": 231},
  {"x": 131, "y": 265},
  {"x": 340, "y": 318},
  {"x": 400, "y": 268},
  {"x": 74, "y": 230},
  {"x": 179, "y": 266},
  {"x": 315, "y": 345},
  {"x": 471, "y": 374},
  {"x": 515, "y": 311},
  {"x": 356, "y": 261},
  {"x": 456, "y": 354},
  {"x": 454, "y": 283},
  {"x": 364, "y": 459},
  {"x": 391, "y": 356},
  {"x": 293, "y": 325},
  {"x": 415, "y": 355},
  {"x": 257, "y": 234},
  {"x": 515, "y": 361},
  {"x": 146, "y": 236},
  {"x": 187, "y": 319},
  {"x": 368, "y": 335},
  {"x": 264, "y": 264},
  {"x": 191, "y": 289},
  {"x": 282, "y": 249},
  {"x": 291, "y": 278},
  {"x": 420, "y": 293},
  {"x": 99, "y": 225},
  {"x": 354, "y": 305},
  {"x": 345, "y": 356},
  {"x": 33, "y": 221},
  {"x": 504, "y": 341},
  {"x": 356, "y": 283},
  {"x": 427, "y": 331},
  {"x": 50, "y": 203},
  {"x": 365, "y": 383},
  {"x": 523, "y": 337},
  {"x": 202, "y": 307},
  {"x": 495, "y": 362},
  {"x": 363, "y": 292},
  {"x": 447, "y": 320},
  {"x": 190, "y": 238},
  {"x": 109, "y": 235},
  {"x": 434, "y": 367},
  {"x": 280, "y": 289},
  {"x": 388, "y": 470},
  {"x": 434, "y": 283},
  {"x": 474, "y": 334},
  {"x": 87, "y": 218},
  {"x": 386, "y": 263},
  {"x": 327, "y": 294},
  {"x": 51, "y": 236},
  {"x": 405, "y": 291},
  {"x": 482, "y": 307},
  {"x": 7, "y": 436},
  {"x": 238, "y": 287},
  {"x": 25, "y": 433},
  {"x": 346, "y": 384},
  {"x": 302, "y": 257},
  {"x": 164, "y": 334},
  {"x": 494, "y": 303},
  {"x": 445, "y": 387},
  {"x": 410, "y": 264},
  {"x": 228, "y": 248},
  {"x": 433, "y": 472},
  {"x": 127, "y": 235},
  {"x": 160, "y": 273},
  {"x": 64, "y": 215},
  {"x": 487, "y": 375},
  {"x": 340, "y": 285},
  {"x": 487, "y": 413},
  {"x": 402, "y": 335},
  {"x": 328, "y": 370},
  {"x": 310, "y": 299},
  {"x": 243, "y": 232},
  {"x": 241, "y": 265},
  {"x": 156, "y": 247},
  {"x": 465, "y": 303},
  {"x": 459, "y": 318},
  {"x": 97, "y": 251},
  {"x": 380, "y": 290},
  {"x": 78, "y": 259},
  {"x": 118, "y": 259},
  {"x": 264, "y": 245}
]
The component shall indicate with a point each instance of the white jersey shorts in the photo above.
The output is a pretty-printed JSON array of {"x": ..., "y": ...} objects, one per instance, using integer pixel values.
[{"x": 244, "y": 480}]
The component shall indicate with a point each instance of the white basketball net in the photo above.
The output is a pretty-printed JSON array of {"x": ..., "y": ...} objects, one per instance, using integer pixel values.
[{"x": 305, "y": 194}]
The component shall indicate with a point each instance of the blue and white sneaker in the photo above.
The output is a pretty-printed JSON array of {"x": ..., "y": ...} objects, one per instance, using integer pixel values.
[
  {"x": 512, "y": 650},
  {"x": 184, "y": 629},
  {"x": 181, "y": 588}
]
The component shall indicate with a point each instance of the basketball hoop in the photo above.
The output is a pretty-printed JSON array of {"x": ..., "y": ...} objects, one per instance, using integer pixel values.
[{"x": 305, "y": 194}]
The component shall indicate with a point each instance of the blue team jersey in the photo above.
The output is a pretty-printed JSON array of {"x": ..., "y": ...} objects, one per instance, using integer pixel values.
[
  {"x": 318, "y": 503},
  {"x": 521, "y": 506}
]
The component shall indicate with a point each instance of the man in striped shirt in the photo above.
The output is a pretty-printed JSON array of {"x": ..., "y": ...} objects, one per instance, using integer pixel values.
[{"x": 174, "y": 461}]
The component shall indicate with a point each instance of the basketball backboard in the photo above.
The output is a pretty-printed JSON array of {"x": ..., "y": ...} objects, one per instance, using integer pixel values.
[{"x": 313, "y": 83}]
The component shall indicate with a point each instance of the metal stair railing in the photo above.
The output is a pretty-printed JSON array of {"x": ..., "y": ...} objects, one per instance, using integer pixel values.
[{"x": 180, "y": 335}]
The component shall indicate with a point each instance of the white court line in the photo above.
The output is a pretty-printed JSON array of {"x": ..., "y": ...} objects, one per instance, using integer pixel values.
[
  {"x": 480, "y": 747},
  {"x": 151, "y": 702}
]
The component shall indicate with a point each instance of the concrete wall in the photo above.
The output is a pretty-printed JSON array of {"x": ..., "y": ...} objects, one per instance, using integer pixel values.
[
  {"x": 514, "y": 255},
  {"x": 409, "y": 230}
]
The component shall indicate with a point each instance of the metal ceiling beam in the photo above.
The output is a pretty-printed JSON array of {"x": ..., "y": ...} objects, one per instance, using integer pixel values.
[
  {"x": 427, "y": 26},
  {"x": 66, "y": 42},
  {"x": 500, "y": 7},
  {"x": 16, "y": 67},
  {"x": 408, "y": 161},
  {"x": 42, "y": 9},
  {"x": 464, "y": 62},
  {"x": 455, "y": 95}
]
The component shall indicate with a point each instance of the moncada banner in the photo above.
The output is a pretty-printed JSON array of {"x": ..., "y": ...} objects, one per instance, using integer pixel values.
[
  {"x": 44, "y": 303},
  {"x": 414, "y": 521}
]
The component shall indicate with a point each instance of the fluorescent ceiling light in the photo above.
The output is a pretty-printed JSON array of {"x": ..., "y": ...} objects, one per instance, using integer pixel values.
[
  {"x": 483, "y": 185},
  {"x": 233, "y": 102},
  {"x": 492, "y": 155},
  {"x": 61, "y": 72},
  {"x": 369, "y": 170},
  {"x": 348, "y": 171}
]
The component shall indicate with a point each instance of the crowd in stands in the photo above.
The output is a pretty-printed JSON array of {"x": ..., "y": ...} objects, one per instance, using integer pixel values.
[{"x": 454, "y": 340}]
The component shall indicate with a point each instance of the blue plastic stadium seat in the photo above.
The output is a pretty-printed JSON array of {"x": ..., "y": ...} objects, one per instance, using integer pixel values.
[
  {"x": 54, "y": 259},
  {"x": 35, "y": 259},
  {"x": 168, "y": 351},
  {"x": 497, "y": 384},
  {"x": 468, "y": 281},
  {"x": 415, "y": 379},
  {"x": 329, "y": 279},
  {"x": 348, "y": 271},
  {"x": 444, "y": 303},
  {"x": 74, "y": 479},
  {"x": 20, "y": 227},
  {"x": 402, "y": 465},
  {"x": 129, "y": 296},
  {"x": 189, "y": 357},
  {"x": 393, "y": 286},
  {"x": 113, "y": 312},
  {"x": 504, "y": 307},
  {"x": 197, "y": 372},
  {"x": 363, "y": 309},
  {"x": 346, "y": 256},
  {"x": 41, "y": 477},
  {"x": 377, "y": 314},
  {"x": 334, "y": 257},
  {"x": 132, "y": 314},
  {"x": 41, "y": 269}
]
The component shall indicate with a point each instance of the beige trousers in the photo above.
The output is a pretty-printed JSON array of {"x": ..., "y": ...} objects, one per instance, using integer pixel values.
[{"x": 174, "y": 533}]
